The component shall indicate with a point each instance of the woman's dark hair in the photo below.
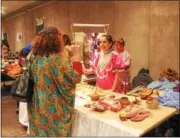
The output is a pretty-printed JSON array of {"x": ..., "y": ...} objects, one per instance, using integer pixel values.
[
  {"x": 108, "y": 37},
  {"x": 47, "y": 42},
  {"x": 121, "y": 41},
  {"x": 67, "y": 40}
]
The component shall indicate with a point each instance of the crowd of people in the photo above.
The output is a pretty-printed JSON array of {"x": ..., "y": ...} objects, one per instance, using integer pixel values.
[{"x": 51, "y": 109}]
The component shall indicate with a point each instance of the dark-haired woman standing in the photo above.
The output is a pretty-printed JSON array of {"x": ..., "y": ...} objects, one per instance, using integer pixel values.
[
  {"x": 51, "y": 109},
  {"x": 106, "y": 65},
  {"x": 124, "y": 80}
]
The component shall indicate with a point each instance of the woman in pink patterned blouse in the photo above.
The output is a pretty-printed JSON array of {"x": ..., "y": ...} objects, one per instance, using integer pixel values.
[
  {"x": 106, "y": 65},
  {"x": 124, "y": 80}
]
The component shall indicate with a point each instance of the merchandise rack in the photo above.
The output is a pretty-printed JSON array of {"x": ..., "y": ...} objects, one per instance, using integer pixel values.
[{"x": 105, "y": 26}]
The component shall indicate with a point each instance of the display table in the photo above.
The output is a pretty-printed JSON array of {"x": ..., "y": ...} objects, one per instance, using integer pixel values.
[
  {"x": 91, "y": 123},
  {"x": 87, "y": 122},
  {"x": 89, "y": 79}
]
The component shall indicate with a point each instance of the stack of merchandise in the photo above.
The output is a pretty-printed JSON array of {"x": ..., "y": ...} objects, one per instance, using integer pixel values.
[{"x": 168, "y": 84}]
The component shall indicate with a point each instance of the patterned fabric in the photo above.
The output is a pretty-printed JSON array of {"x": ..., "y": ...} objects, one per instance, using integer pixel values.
[
  {"x": 106, "y": 65},
  {"x": 125, "y": 73},
  {"x": 51, "y": 109}
]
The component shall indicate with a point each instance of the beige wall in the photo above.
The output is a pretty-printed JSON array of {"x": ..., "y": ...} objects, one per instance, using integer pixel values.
[
  {"x": 132, "y": 23},
  {"x": 151, "y": 29},
  {"x": 164, "y": 37}
]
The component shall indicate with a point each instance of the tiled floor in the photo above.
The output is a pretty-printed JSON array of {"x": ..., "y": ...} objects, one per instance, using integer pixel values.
[{"x": 9, "y": 124}]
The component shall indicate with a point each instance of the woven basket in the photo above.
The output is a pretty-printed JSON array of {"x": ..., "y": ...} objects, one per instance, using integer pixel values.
[{"x": 152, "y": 104}]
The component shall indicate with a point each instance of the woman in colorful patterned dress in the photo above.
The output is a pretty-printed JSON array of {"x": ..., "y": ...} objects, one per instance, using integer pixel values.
[
  {"x": 124, "y": 80},
  {"x": 50, "y": 112},
  {"x": 106, "y": 65}
]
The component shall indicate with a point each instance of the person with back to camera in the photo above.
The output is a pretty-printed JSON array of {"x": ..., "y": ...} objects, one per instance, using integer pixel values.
[{"x": 50, "y": 112}]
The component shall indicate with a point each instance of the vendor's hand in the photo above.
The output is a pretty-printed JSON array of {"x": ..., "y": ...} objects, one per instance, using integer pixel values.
[{"x": 88, "y": 71}]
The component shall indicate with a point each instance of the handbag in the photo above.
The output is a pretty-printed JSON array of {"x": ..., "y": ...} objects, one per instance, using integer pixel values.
[{"x": 22, "y": 87}]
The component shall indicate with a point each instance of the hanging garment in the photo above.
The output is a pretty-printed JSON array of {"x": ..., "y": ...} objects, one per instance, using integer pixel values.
[
  {"x": 39, "y": 24},
  {"x": 79, "y": 39}
]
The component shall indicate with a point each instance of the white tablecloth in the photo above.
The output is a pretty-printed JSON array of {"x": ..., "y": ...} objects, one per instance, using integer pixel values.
[
  {"x": 90, "y": 123},
  {"x": 86, "y": 124}
]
